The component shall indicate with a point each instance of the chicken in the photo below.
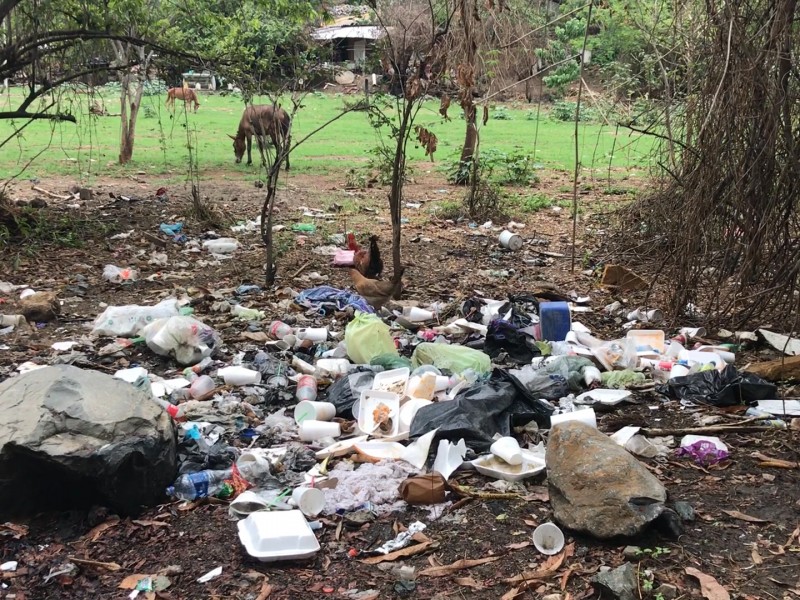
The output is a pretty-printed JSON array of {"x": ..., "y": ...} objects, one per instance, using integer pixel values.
[
  {"x": 352, "y": 244},
  {"x": 377, "y": 293},
  {"x": 369, "y": 262}
]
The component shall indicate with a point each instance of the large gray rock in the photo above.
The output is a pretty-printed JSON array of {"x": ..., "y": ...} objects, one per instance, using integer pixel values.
[
  {"x": 596, "y": 486},
  {"x": 71, "y": 437},
  {"x": 621, "y": 582}
]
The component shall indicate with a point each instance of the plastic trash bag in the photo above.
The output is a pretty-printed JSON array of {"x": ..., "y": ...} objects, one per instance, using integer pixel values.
[
  {"x": 185, "y": 338},
  {"x": 505, "y": 336},
  {"x": 128, "y": 321},
  {"x": 570, "y": 368},
  {"x": 390, "y": 361},
  {"x": 195, "y": 455},
  {"x": 453, "y": 358},
  {"x": 719, "y": 388},
  {"x": 366, "y": 337},
  {"x": 481, "y": 411},
  {"x": 326, "y": 299},
  {"x": 114, "y": 274},
  {"x": 619, "y": 380},
  {"x": 346, "y": 390}
]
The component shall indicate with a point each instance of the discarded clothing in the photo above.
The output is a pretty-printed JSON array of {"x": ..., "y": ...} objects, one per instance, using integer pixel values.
[{"x": 327, "y": 299}]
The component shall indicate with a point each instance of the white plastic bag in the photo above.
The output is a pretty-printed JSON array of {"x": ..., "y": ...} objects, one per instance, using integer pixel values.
[
  {"x": 221, "y": 246},
  {"x": 183, "y": 337},
  {"x": 116, "y": 275},
  {"x": 128, "y": 321}
]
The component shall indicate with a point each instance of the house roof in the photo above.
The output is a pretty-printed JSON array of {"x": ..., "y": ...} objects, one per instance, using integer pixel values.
[{"x": 364, "y": 32}]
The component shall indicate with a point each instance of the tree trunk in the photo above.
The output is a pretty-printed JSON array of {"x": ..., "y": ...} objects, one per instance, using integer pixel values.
[
  {"x": 127, "y": 134},
  {"x": 398, "y": 179},
  {"x": 467, "y": 100}
]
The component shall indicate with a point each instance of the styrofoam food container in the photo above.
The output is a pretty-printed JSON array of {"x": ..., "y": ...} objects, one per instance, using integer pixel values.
[
  {"x": 279, "y": 535},
  {"x": 340, "y": 448},
  {"x": 603, "y": 396},
  {"x": 409, "y": 409},
  {"x": 492, "y": 466},
  {"x": 371, "y": 400},
  {"x": 395, "y": 381},
  {"x": 585, "y": 415}
]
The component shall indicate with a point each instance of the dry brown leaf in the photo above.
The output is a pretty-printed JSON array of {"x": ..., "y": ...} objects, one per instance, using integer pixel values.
[
  {"x": 150, "y": 523},
  {"x": 519, "y": 545},
  {"x": 469, "y": 582},
  {"x": 444, "y": 104},
  {"x": 757, "y": 560},
  {"x": 547, "y": 568},
  {"x": 565, "y": 578},
  {"x": 709, "y": 586},
  {"x": 96, "y": 533},
  {"x": 402, "y": 553},
  {"x": 13, "y": 530},
  {"x": 266, "y": 590},
  {"x": 131, "y": 581},
  {"x": 530, "y": 523},
  {"x": 511, "y": 594},
  {"x": 464, "y": 563},
  {"x": 743, "y": 517}
]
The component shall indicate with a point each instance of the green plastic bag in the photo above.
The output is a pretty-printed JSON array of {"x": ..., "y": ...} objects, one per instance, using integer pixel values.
[
  {"x": 619, "y": 380},
  {"x": 390, "y": 361},
  {"x": 455, "y": 359},
  {"x": 366, "y": 337}
]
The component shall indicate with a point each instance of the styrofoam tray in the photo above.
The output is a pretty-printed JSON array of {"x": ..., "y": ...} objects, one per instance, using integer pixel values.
[
  {"x": 279, "y": 535},
  {"x": 340, "y": 448},
  {"x": 371, "y": 400},
  {"x": 491, "y": 466},
  {"x": 394, "y": 381},
  {"x": 603, "y": 396}
]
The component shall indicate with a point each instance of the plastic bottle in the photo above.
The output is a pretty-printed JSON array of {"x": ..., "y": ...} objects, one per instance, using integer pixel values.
[
  {"x": 767, "y": 418},
  {"x": 199, "y": 485},
  {"x": 250, "y": 314},
  {"x": 306, "y": 388},
  {"x": 176, "y": 412},
  {"x": 279, "y": 330},
  {"x": 199, "y": 367},
  {"x": 201, "y": 386}
]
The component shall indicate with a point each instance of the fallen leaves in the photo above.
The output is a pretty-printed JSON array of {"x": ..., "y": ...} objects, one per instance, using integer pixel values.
[
  {"x": 266, "y": 589},
  {"x": 778, "y": 463},
  {"x": 96, "y": 532},
  {"x": 13, "y": 530},
  {"x": 464, "y": 563},
  {"x": 546, "y": 569},
  {"x": 425, "y": 544},
  {"x": 150, "y": 523},
  {"x": 518, "y": 545},
  {"x": 709, "y": 586},
  {"x": 470, "y": 583},
  {"x": 735, "y": 514}
]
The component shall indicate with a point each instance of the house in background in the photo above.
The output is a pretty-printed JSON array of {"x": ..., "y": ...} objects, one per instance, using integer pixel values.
[{"x": 350, "y": 37}]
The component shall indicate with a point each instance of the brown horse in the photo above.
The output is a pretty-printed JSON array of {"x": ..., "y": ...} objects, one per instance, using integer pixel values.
[
  {"x": 182, "y": 93},
  {"x": 260, "y": 121}
]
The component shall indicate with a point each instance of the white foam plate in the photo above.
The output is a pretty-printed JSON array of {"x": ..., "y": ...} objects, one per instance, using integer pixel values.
[
  {"x": 279, "y": 535},
  {"x": 603, "y": 396},
  {"x": 491, "y": 466},
  {"x": 340, "y": 448}
]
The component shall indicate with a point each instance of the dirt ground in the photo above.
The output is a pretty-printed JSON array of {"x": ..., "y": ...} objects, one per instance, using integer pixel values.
[{"x": 753, "y": 553}]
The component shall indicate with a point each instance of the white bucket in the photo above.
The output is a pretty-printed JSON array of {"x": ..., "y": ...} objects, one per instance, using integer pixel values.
[{"x": 510, "y": 240}]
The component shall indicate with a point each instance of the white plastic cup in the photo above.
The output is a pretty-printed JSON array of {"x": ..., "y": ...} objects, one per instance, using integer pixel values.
[
  {"x": 239, "y": 376},
  {"x": 314, "y": 411},
  {"x": 409, "y": 410},
  {"x": 309, "y": 500},
  {"x": 636, "y": 315},
  {"x": 654, "y": 316},
  {"x": 442, "y": 383},
  {"x": 693, "y": 332},
  {"x": 510, "y": 240},
  {"x": 201, "y": 386},
  {"x": 585, "y": 415},
  {"x": 311, "y": 430},
  {"x": 678, "y": 370},
  {"x": 313, "y": 334},
  {"x": 417, "y": 315},
  {"x": 507, "y": 448},
  {"x": 334, "y": 366},
  {"x": 548, "y": 539}
]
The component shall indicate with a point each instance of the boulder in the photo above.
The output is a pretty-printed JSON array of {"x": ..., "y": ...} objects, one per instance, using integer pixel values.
[
  {"x": 596, "y": 486},
  {"x": 73, "y": 438}
]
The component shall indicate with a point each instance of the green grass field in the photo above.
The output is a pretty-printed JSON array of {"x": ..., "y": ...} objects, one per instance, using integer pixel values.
[{"x": 90, "y": 147}]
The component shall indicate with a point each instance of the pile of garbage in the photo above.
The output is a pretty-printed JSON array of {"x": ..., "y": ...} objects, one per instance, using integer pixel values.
[{"x": 361, "y": 419}]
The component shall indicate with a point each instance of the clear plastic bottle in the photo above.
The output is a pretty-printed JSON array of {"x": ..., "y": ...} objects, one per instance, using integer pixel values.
[
  {"x": 306, "y": 388},
  {"x": 201, "y": 386},
  {"x": 174, "y": 411},
  {"x": 199, "y": 485},
  {"x": 279, "y": 330}
]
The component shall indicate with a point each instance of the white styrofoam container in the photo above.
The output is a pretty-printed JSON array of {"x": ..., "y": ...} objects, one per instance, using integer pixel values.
[
  {"x": 369, "y": 401},
  {"x": 395, "y": 381},
  {"x": 491, "y": 466},
  {"x": 603, "y": 396},
  {"x": 277, "y": 535}
]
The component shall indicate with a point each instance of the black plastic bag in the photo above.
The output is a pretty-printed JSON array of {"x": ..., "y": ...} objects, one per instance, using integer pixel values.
[
  {"x": 479, "y": 412},
  {"x": 195, "y": 455},
  {"x": 346, "y": 390},
  {"x": 505, "y": 336},
  {"x": 719, "y": 388}
]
